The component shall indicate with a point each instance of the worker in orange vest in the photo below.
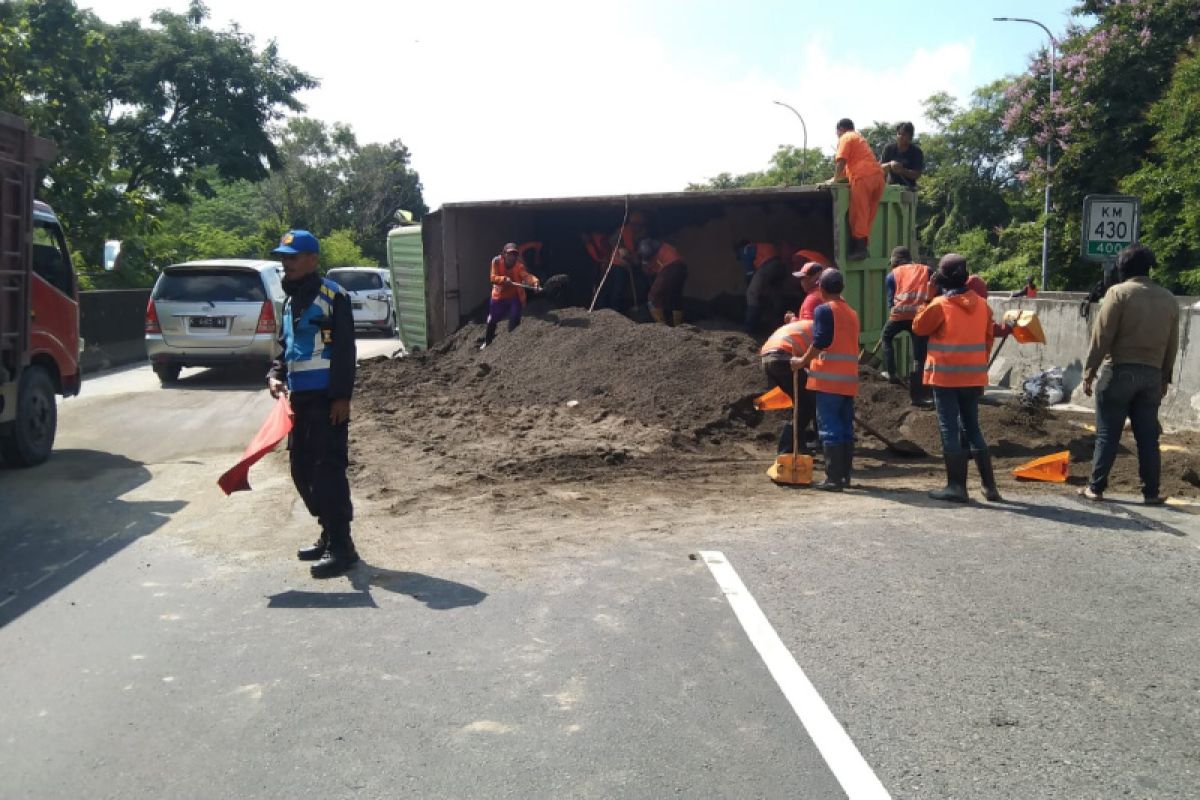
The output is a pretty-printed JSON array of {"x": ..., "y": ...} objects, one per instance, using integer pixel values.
[
  {"x": 508, "y": 293},
  {"x": 907, "y": 290},
  {"x": 765, "y": 273},
  {"x": 791, "y": 340},
  {"x": 625, "y": 276},
  {"x": 668, "y": 271},
  {"x": 855, "y": 162},
  {"x": 1028, "y": 290},
  {"x": 832, "y": 364},
  {"x": 959, "y": 326}
]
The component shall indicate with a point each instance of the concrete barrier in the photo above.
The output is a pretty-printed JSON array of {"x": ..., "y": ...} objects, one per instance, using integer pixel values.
[
  {"x": 112, "y": 322},
  {"x": 1067, "y": 335}
]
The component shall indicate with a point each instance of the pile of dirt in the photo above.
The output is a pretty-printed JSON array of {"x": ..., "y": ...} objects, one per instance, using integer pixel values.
[{"x": 577, "y": 397}]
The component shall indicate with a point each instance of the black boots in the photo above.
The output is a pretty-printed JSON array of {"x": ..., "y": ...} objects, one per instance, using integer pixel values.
[
  {"x": 983, "y": 461},
  {"x": 858, "y": 249},
  {"x": 956, "y": 479},
  {"x": 339, "y": 556},
  {"x": 315, "y": 550},
  {"x": 836, "y": 473},
  {"x": 847, "y": 463}
]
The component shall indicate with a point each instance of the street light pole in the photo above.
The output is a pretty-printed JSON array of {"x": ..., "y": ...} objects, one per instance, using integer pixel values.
[
  {"x": 1049, "y": 142},
  {"x": 804, "y": 151}
]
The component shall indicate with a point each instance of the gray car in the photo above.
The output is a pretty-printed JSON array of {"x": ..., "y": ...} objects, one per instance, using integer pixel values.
[
  {"x": 370, "y": 290},
  {"x": 214, "y": 313}
]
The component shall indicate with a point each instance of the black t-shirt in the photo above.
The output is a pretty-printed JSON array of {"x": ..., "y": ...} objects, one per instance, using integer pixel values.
[{"x": 912, "y": 158}]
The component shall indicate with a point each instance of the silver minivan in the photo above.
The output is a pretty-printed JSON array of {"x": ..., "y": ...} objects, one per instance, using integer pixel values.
[
  {"x": 214, "y": 313},
  {"x": 370, "y": 290}
]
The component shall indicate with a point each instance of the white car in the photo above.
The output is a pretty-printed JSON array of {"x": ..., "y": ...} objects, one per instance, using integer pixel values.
[{"x": 370, "y": 290}]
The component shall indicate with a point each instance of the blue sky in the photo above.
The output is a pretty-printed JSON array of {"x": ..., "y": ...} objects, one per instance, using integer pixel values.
[{"x": 533, "y": 98}]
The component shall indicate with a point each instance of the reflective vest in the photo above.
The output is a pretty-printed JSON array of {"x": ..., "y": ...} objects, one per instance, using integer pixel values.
[
  {"x": 792, "y": 339},
  {"x": 835, "y": 370},
  {"x": 958, "y": 350},
  {"x": 598, "y": 248},
  {"x": 309, "y": 339},
  {"x": 912, "y": 290},
  {"x": 665, "y": 257},
  {"x": 517, "y": 274},
  {"x": 763, "y": 253}
]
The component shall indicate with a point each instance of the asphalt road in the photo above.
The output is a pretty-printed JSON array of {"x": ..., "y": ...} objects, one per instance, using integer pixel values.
[{"x": 1042, "y": 650}]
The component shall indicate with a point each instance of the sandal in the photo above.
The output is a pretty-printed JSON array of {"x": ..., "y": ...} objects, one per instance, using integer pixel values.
[{"x": 1087, "y": 494}]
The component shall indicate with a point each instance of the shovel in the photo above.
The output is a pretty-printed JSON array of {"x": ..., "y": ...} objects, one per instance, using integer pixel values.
[
  {"x": 900, "y": 447},
  {"x": 793, "y": 468}
]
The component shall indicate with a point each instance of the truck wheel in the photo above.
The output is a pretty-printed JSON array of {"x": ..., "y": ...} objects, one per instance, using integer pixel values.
[
  {"x": 31, "y": 437},
  {"x": 167, "y": 373}
]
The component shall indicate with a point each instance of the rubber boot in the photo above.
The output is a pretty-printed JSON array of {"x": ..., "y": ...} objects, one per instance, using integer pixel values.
[
  {"x": 858, "y": 249},
  {"x": 983, "y": 462},
  {"x": 489, "y": 335},
  {"x": 316, "y": 550},
  {"x": 340, "y": 556},
  {"x": 835, "y": 457},
  {"x": 847, "y": 463},
  {"x": 956, "y": 479},
  {"x": 676, "y": 318},
  {"x": 916, "y": 390},
  {"x": 657, "y": 315},
  {"x": 750, "y": 325}
]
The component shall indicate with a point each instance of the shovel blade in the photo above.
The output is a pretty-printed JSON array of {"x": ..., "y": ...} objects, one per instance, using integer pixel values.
[{"x": 794, "y": 470}]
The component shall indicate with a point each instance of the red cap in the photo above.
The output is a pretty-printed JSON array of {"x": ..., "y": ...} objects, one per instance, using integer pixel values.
[{"x": 811, "y": 268}]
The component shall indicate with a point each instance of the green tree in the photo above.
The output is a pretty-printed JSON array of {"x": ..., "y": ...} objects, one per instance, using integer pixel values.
[
  {"x": 378, "y": 182},
  {"x": 789, "y": 166},
  {"x": 338, "y": 249}
]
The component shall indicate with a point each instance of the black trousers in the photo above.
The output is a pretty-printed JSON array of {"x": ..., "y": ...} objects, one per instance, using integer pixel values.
[
  {"x": 779, "y": 374},
  {"x": 320, "y": 455}
]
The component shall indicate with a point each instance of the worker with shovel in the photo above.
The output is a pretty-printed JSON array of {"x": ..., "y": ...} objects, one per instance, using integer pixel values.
[
  {"x": 669, "y": 272},
  {"x": 832, "y": 364},
  {"x": 959, "y": 326},
  {"x": 907, "y": 290},
  {"x": 791, "y": 341},
  {"x": 509, "y": 281}
]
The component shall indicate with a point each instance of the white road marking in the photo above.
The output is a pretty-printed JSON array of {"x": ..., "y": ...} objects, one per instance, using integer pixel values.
[{"x": 857, "y": 778}]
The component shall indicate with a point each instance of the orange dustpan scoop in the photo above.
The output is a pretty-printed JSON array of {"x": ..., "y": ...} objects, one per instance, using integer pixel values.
[
  {"x": 1053, "y": 468},
  {"x": 774, "y": 400}
]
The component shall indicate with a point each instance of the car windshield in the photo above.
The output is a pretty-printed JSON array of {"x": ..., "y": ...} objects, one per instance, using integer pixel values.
[
  {"x": 215, "y": 285},
  {"x": 356, "y": 281}
]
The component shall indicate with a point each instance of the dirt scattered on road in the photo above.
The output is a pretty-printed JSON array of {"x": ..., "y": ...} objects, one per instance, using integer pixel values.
[{"x": 576, "y": 399}]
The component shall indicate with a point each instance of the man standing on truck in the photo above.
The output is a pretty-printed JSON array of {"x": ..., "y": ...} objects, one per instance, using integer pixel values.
[
  {"x": 315, "y": 369},
  {"x": 903, "y": 161},
  {"x": 854, "y": 162},
  {"x": 509, "y": 279}
]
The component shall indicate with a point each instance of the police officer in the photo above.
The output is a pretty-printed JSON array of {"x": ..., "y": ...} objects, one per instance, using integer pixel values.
[{"x": 315, "y": 368}]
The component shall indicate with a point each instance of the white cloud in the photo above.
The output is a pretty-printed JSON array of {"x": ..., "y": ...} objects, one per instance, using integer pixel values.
[{"x": 528, "y": 98}]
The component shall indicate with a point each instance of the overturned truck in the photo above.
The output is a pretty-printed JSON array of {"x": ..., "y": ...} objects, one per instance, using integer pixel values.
[{"x": 458, "y": 241}]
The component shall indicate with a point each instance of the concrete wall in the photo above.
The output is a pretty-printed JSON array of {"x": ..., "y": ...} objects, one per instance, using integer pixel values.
[
  {"x": 112, "y": 325},
  {"x": 1067, "y": 335}
]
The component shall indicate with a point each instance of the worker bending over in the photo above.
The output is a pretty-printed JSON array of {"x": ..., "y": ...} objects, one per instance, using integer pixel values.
[
  {"x": 509, "y": 279},
  {"x": 908, "y": 289},
  {"x": 832, "y": 364},
  {"x": 790, "y": 341},
  {"x": 668, "y": 274},
  {"x": 856, "y": 163},
  {"x": 765, "y": 273},
  {"x": 959, "y": 326}
]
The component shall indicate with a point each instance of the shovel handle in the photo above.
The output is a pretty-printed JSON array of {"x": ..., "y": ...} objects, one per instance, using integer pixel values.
[{"x": 996, "y": 352}]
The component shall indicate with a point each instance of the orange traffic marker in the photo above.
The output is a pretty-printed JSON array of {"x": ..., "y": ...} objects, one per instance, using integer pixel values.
[
  {"x": 1053, "y": 468},
  {"x": 774, "y": 400}
]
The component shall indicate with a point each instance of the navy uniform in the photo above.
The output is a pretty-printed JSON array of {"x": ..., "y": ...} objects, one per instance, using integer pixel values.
[{"x": 317, "y": 362}]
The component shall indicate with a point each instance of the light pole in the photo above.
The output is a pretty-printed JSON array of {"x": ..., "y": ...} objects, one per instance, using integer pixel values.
[
  {"x": 1049, "y": 142},
  {"x": 804, "y": 151}
]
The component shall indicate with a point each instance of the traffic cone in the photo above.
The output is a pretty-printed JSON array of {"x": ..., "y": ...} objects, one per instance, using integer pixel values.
[
  {"x": 1053, "y": 468},
  {"x": 774, "y": 400}
]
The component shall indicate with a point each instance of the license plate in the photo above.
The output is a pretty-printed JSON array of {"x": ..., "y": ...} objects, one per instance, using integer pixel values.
[
  {"x": 208, "y": 322},
  {"x": 356, "y": 305}
]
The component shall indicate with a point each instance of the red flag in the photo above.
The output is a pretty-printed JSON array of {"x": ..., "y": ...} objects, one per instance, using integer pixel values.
[{"x": 277, "y": 426}]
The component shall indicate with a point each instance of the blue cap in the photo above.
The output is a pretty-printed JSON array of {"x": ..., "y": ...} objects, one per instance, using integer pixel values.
[{"x": 294, "y": 242}]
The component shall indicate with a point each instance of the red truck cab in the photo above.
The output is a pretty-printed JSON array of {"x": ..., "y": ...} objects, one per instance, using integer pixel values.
[{"x": 39, "y": 304}]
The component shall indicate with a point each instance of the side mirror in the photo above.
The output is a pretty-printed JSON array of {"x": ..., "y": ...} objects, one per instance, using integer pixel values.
[{"x": 112, "y": 254}]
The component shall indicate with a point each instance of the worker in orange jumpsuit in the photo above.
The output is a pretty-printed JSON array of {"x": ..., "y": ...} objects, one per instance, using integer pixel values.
[
  {"x": 791, "y": 340},
  {"x": 856, "y": 163},
  {"x": 959, "y": 326},
  {"x": 832, "y": 364},
  {"x": 508, "y": 297},
  {"x": 668, "y": 271}
]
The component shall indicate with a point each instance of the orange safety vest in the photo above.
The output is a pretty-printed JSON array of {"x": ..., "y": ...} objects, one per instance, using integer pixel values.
[
  {"x": 912, "y": 290},
  {"x": 518, "y": 274},
  {"x": 665, "y": 257},
  {"x": 598, "y": 248},
  {"x": 835, "y": 370},
  {"x": 763, "y": 253},
  {"x": 794, "y": 339},
  {"x": 958, "y": 349}
]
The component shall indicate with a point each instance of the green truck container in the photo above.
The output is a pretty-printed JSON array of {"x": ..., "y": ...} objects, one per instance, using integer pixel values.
[
  {"x": 406, "y": 261},
  {"x": 460, "y": 240}
]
